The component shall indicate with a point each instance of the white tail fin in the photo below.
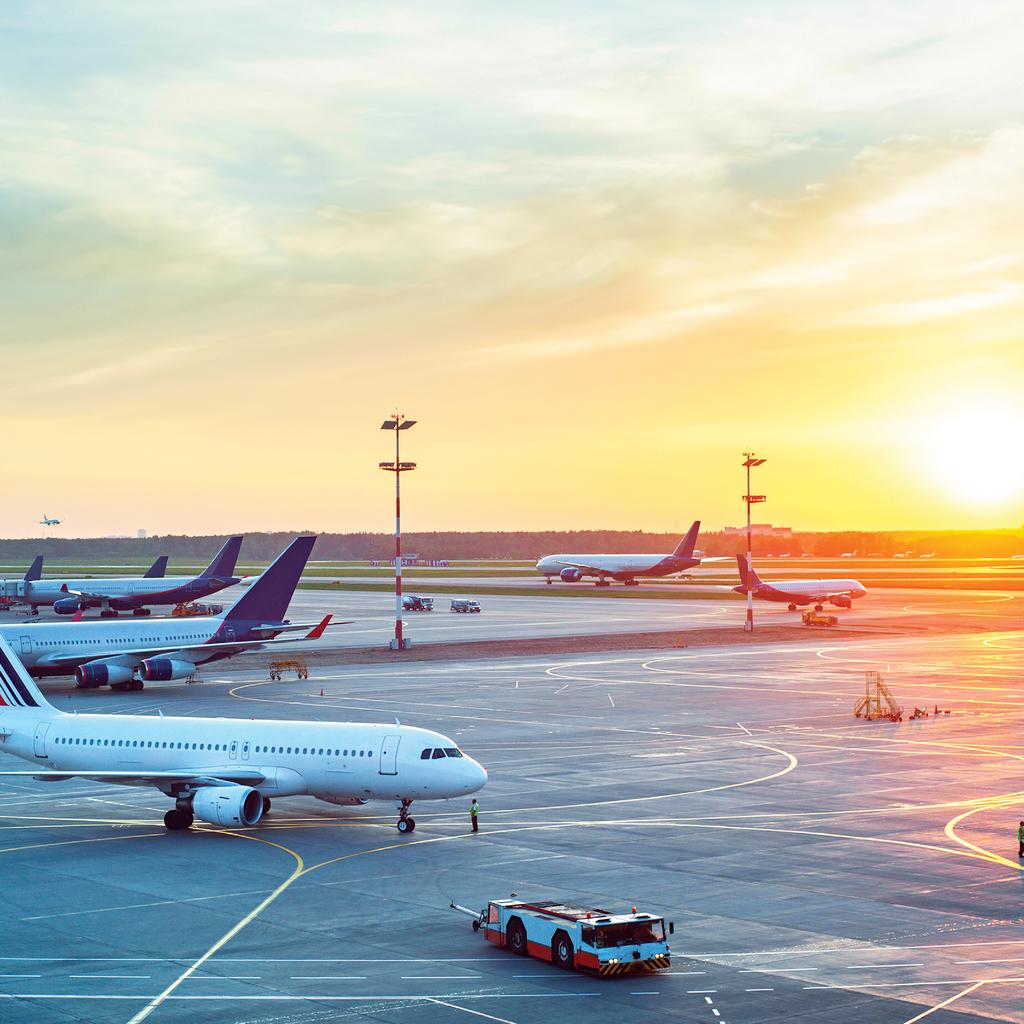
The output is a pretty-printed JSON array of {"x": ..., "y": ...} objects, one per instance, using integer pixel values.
[{"x": 18, "y": 691}]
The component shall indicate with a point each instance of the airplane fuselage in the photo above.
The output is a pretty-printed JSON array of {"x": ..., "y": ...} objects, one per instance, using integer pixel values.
[
  {"x": 126, "y": 593},
  {"x": 800, "y": 592},
  {"x": 56, "y": 648},
  {"x": 616, "y": 567},
  {"x": 338, "y": 762}
]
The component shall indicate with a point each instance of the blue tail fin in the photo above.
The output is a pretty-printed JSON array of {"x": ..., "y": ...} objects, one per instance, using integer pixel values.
[
  {"x": 684, "y": 549},
  {"x": 18, "y": 691},
  {"x": 755, "y": 580},
  {"x": 35, "y": 570},
  {"x": 223, "y": 563},
  {"x": 157, "y": 570},
  {"x": 268, "y": 598}
]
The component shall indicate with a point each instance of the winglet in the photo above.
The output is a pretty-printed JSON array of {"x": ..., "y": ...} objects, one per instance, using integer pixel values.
[
  {"x": 35, "y": 570},
  {"x": 318, "y": 631}
]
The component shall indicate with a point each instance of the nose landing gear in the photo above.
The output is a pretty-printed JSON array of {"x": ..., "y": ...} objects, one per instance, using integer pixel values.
[{"x": 405, "y": 823}]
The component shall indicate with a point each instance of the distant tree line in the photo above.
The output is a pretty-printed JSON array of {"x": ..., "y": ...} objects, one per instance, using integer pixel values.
[{"x": 261, "y": 547}]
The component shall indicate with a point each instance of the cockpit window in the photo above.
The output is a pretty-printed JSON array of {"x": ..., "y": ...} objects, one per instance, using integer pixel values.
[
  {"x": 438, "y": 752},
  {"x": 453, "y": 751},
  {"x": 425, "y": 756}
]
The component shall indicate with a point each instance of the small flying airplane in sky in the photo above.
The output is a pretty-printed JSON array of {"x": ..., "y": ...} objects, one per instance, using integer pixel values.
[{"x": 47, "y": 521}]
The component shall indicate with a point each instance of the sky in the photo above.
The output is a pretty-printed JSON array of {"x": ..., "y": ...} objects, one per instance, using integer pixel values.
[{"x": 596, "y": 250}]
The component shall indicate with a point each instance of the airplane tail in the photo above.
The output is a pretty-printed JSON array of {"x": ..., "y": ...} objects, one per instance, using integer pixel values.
[
  {"x": 684, "y": 549},
  {"x": 755, "y": 580},
  {"x": 223, "y": 563},
  {"x": 35, "y": 570},
  {"x": 18, "y": 691},
  {"x": 157, "y": 570},
  {"x": 268, "y": 598}
]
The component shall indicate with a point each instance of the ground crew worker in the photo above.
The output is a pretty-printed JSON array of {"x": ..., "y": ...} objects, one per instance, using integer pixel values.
[
  {"x": 474, "y": 810},
  {"x": 1020, "y": 839}
]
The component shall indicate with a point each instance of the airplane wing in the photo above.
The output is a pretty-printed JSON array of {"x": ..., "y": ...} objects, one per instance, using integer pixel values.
[
  {"x": 184, "y": 652},
  {"x": 231, "y": 777},
  {"x": 585, "y": 567}
]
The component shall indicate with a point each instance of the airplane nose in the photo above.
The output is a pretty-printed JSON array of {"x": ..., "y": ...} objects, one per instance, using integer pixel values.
[{"x": 476, "y": 776}]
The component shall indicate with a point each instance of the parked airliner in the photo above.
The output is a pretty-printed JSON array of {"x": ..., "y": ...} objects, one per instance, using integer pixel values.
[
  {"x": 224, "y": 771},
  {"x": 625, "y": 568},
  {"x": 136, "y": 593},
  {"x": 125, "y": 654},
  {"x": 797, "y": 592}
]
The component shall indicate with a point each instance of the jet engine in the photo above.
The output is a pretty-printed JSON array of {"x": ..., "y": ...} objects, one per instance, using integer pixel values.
[
  {"x": 570, "y": 574},
  {"x": 160, "y": 670},
  {"x": 341, "y": 801},
  {"x": 66, "y": 606},
  {"x": 842, "y": 601},
  {"x": 101, "y": 673},
  {"x": 228, "y": 805}
]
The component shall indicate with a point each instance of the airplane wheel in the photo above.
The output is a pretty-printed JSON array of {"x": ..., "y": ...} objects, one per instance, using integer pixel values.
[
  {"x": 135, "y": 685},
  {"x": 404, "y": 825},
  {"x": 108, "y": 613},
  {"x": 140, "y": 611},
  {"x": 792, "y": 607},
  {"x": 818, "y": 608},
  {"x": 176, "y": 820},
  {"x": 266, "y": 805}
]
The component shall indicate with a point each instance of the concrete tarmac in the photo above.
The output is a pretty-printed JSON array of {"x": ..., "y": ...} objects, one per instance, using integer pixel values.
[{"x": 816, "y": 866}]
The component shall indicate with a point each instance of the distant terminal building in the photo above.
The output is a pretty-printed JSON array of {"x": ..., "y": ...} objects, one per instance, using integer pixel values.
[{"x": 760, "y": 530}]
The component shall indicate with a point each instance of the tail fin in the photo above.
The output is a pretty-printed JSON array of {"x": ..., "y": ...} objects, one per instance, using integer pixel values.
[
  {"x": 35, "y": 570},
  {"x": 223, "y": 563},
  {"x": 157, "y": 570},
  {"x": 268, "y": 598},
  {"x": 684, "y": 549},
  {"x": 755, "y": 580},
  {"x": 18, "y": 691}
]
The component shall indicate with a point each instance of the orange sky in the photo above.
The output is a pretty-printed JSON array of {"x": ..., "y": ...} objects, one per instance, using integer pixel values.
[{"x": 596, "y": 255}]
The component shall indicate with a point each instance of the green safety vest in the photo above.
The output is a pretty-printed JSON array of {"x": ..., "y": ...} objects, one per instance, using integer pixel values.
[
  {"x": 1020, "y": 833},
  {"x": 473, "y": 809}
]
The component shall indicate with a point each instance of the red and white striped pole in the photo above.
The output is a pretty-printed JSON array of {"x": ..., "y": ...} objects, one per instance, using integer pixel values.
[{"x": 398, "y": 423}]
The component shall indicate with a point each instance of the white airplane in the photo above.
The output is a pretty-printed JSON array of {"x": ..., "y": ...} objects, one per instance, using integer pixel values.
[
  {"x": 135, "y": 593},
  {"x": 796, "y": 592},
  {"x": 124, "y": 654},
  {"x": 625, "y": 568},
  {"x": 224, "y": 771},
  {"x": 47, "y": 521}
]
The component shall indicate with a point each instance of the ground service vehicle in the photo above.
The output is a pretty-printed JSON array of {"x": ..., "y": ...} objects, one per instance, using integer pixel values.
[
  {"x": 460, "y": 605},
  {"x": 817, "y": 619},
  {"x": 575, "y": 937},
  {"x": 414, "y": 603}
]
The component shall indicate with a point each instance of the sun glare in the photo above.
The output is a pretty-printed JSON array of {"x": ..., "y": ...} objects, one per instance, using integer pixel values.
[{"x": 971, "y": 453}]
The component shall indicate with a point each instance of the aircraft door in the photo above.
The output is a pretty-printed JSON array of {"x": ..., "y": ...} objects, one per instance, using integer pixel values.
[
  {"x": 245, "y": 751},
  {"x": 26, "y": 644},
  {"x": 40, "y": 742},
  {"x": 389, "y": 755},
  {"x": 233, "y": 750}
]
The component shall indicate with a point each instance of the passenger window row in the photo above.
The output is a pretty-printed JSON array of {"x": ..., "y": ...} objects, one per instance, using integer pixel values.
[{"x": 171, "y": 745}]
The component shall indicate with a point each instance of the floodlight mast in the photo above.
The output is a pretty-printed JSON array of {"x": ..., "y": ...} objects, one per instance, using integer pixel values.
[
  {"x": 750, "y": 499},
  {"x": 398, "y": 423}
]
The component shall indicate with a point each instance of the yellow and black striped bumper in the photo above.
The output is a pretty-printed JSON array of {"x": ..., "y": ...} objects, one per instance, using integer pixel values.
[{"x": 654, "y": 963}]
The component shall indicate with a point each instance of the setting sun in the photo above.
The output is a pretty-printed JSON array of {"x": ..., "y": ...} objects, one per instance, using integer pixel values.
[{"x": 967, "y": 450}]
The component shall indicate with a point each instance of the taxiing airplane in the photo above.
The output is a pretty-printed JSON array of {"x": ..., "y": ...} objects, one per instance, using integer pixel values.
[
  {"x": 797, "y": 592},
  {"x": 224, "y": 771},
  {"x": 47, "y": 521},
  {"x": 124, "y": 655},
  {"x": 624, "y": 568},
  {"x": 136, "y": 593}
]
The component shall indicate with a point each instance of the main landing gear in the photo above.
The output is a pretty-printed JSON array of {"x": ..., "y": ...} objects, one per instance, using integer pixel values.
[
  {"x": 405, "y": 823},
  {"x": 179, "y": 818},
  {"x": 631, "y": 583},
  {"x": 134, "y": 685},
  {"x": 266, "y": 806},
  {"x": 601, "y": 583},
  {"x": 818, "y": 608},
  {"x": 108, "y": 613},
  {"x": 140, "y": 611},
  {"x": 792, "y": 607}
]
